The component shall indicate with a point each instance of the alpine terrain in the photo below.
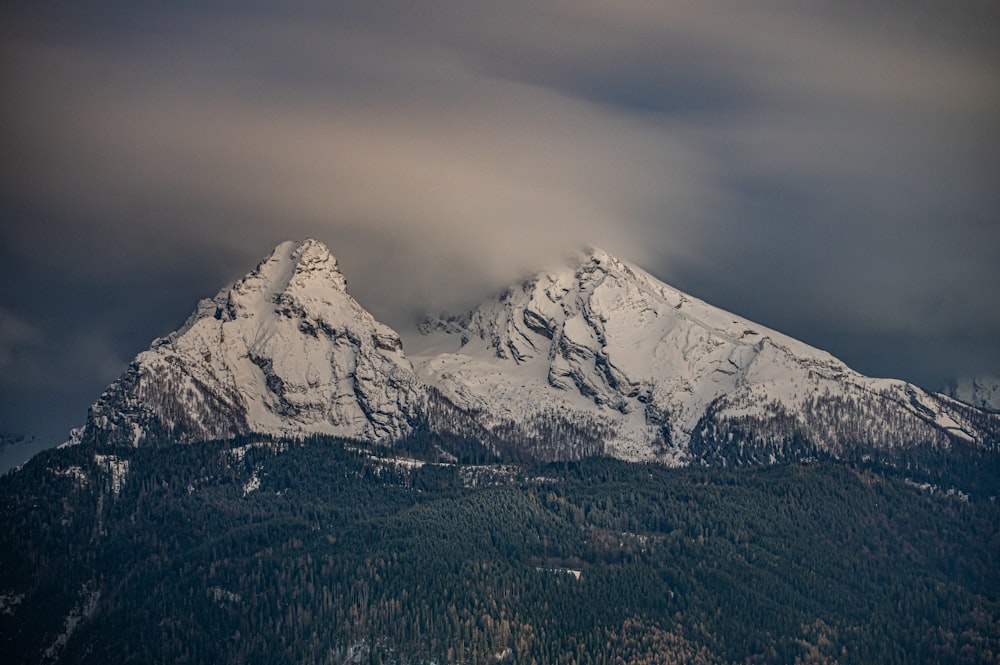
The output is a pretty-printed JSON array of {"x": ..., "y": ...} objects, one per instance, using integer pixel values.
[
  {"x": 591, "y": 468},
  {"x": 594, "y": 357},
  {"x": 284, "y": 350}
]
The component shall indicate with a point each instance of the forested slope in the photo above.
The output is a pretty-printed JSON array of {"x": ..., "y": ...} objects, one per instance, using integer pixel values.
[{"x": 316, "y": 551}]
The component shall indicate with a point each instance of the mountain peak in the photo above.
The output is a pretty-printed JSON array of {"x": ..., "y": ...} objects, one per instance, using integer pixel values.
[
  {"x": 308, "y": 263},
  {"x": 313, "y": 256},
  {"x": 597, "y": 255},
  {"x": 593, "y": 356},
  {"x": 293, "y": 273},
  {"x": 284, "y": 350},
  {"x": 591, "y": 262},
  {"x": 601, "y": 341},
  {"x": 587, "y": 255}
]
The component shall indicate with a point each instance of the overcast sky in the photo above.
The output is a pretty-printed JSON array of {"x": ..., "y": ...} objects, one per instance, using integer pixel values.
[{"x": 827, "y": 169}]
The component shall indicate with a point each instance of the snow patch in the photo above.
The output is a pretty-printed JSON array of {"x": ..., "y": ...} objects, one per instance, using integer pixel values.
[
  {"x": 251, "y": 485},
  {"x": 75, "y": 437},
  {"x": 224, "y": 596},
  {"x": 117, "y": 467},
  {"x": 77, "y": 473},
  {"x": 573, "y": 572},
  {"x": 403, "y": 462},
  {"x": 9, "y": 602},
  {"x": 239, "y": 452},
  {"x": 933, "y": 489},
  {"x": 89, "y": 596}
]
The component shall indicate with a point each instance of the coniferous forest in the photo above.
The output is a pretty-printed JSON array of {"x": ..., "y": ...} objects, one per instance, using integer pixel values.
[{"x": 325, "y": 551}]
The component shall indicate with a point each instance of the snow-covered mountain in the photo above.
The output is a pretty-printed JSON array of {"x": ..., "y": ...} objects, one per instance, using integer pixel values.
[
  {"x": 656, "y": 373},
  {"x": 595, "y": 356},
  {"x": 285, "y": 350}
]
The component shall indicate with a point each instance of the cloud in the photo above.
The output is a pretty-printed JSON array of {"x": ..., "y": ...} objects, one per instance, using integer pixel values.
[{"x": 495, "y": 172}]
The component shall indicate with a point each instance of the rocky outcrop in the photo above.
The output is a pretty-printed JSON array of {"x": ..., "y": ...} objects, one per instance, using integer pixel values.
[{"x": 980, "y": 391}]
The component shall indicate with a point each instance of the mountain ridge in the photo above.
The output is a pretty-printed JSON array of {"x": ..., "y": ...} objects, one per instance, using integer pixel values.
[
  {"x": 595, "y": 356},
  {"x": 661, "y": 358}
]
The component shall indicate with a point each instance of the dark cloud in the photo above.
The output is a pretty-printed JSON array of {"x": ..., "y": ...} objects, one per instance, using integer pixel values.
[{"x": 829, "y": 170}]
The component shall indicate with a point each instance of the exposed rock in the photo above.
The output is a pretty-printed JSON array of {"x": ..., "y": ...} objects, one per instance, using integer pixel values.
[
  {"x": 595, "y": 357},
  {"x": 285, "y": 350},
  {"x": 603, "y": 341},
  {"x": 980, "y": 391}
]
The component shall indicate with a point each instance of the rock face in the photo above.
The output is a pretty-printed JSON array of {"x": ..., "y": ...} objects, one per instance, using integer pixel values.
[
  {"x": 285, "y": 350},
  {"x": 593, "y": 357},
  {"x": 980, "y": 391},
  {"x": 655, "y": 373}
]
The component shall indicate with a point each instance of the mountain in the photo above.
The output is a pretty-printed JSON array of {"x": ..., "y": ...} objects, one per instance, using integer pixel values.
[
  {"x": 346, "y": 503},
  {"x": 284, "y": 350},
  {"x": 656, "y": 373},
  {"x": 593, "y": 357}
]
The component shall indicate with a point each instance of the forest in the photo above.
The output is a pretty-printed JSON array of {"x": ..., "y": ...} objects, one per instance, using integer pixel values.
[{"x": 327, "y": 551}]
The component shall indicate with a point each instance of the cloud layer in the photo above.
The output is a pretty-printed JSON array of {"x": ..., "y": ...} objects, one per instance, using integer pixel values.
[{"x": 827, "y": 170}]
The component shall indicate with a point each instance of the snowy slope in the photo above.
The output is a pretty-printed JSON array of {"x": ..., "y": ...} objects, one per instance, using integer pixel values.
[
  {"x": 595, "y": 356},
  {"x": 285, "y": 350},
  {"x": 661, "y": 374}
]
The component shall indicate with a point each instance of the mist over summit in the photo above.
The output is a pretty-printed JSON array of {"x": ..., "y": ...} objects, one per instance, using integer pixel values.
[{"x": 592, "y": 357}]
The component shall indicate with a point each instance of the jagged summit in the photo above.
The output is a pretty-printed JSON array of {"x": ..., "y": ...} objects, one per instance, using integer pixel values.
[
  {"x": 284, "y": 350},
  {"x": 293, "y": 271},
  {"x": 301, "y": 268},
  {"x": 296, "y": 265},
  {"x": 658, "y": 373}
]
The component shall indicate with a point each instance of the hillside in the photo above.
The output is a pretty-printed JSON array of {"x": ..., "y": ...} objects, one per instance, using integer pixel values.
[{"x": 284, "y": 551}]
